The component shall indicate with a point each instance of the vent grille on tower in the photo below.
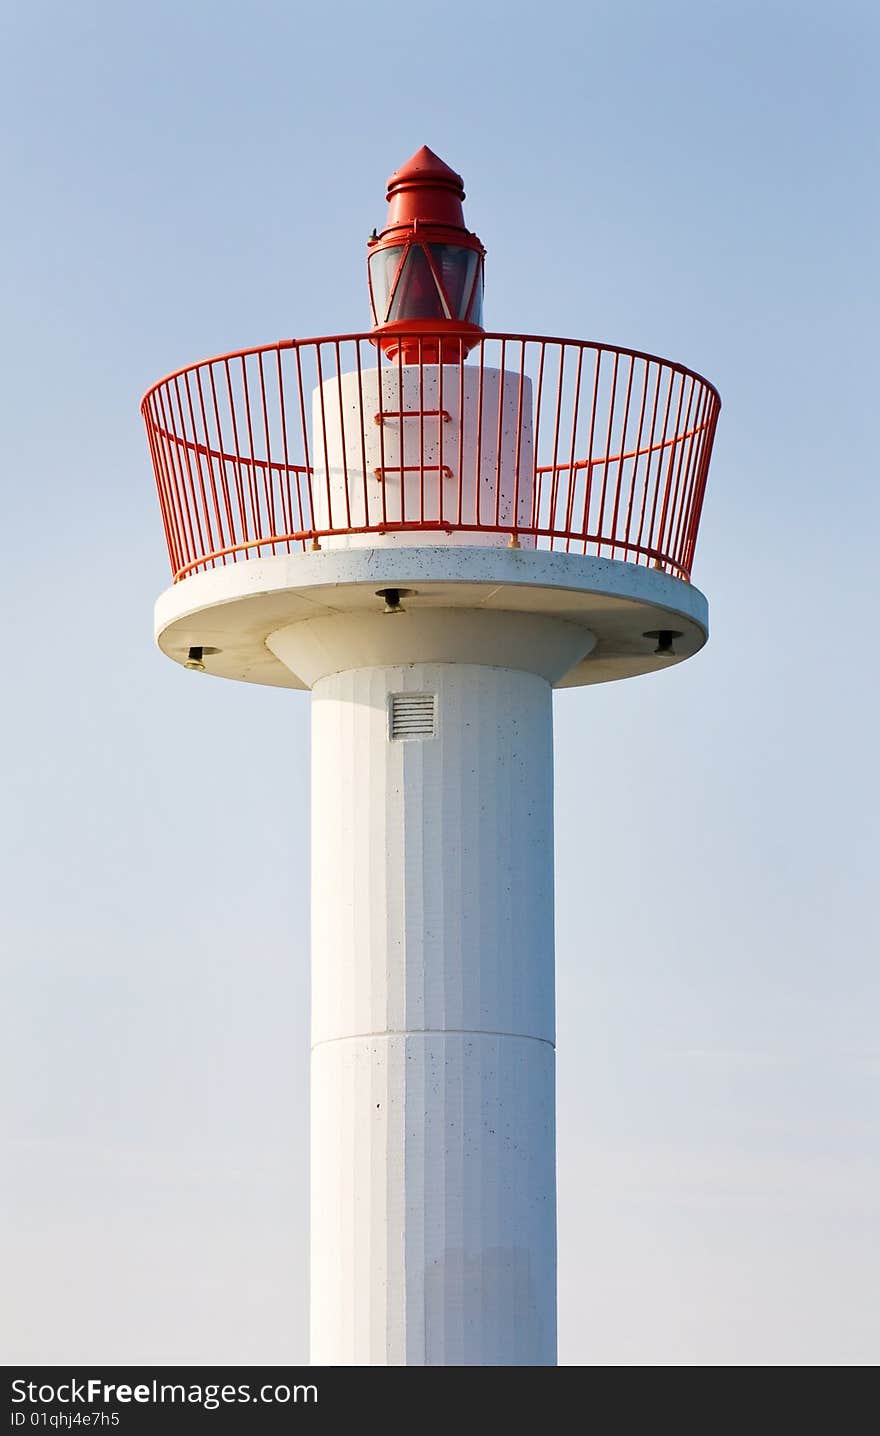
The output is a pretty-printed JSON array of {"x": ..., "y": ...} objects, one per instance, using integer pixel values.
[{"x": 412, "y": 715}]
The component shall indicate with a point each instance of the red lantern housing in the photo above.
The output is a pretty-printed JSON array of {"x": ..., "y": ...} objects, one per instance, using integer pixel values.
[{"x": 425, "y": 269}]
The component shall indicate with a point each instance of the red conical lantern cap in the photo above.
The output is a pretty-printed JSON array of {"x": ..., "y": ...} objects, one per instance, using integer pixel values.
[{"x": 427, "y": 191}]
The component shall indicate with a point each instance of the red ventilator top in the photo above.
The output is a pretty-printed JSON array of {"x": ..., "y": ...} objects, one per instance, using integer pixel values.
[{"x": 425, "y": 191}]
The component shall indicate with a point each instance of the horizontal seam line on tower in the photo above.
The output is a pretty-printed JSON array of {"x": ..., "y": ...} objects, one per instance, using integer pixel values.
[{"x": 435, "y": 1032}]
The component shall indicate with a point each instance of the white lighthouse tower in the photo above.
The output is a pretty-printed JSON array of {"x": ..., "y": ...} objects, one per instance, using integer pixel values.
[{"x": 431, "y": 527}]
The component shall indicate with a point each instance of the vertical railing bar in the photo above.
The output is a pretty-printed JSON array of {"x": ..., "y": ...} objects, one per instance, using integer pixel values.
[
  {"x": 147, "y": 417},
  {"x": 670, "y": 376},
  {"x": 362, "y": 421},
  {"x": 478, "y": 468},
  {"x": 637, "y": 453},
  {"x": 166, "y": 507},
  {"x": 674, "y": 508},
  {"x": 342, "y": 434},
  {"x": 164, "y": 441},
  {"x": 210, "y": 467},
  {"x": 539, "y": 477},
  {"x": 605, "y": 464},
  {"x": 616, "y": 510},
  {"x": 184, "y": 444},
  {"x": 239, "y": 483},
  {"x": 310, "y": 469},
  {"x": 572, "y": 479},
  {"x": 381, "y": 391},
  {"x": 518, "y": 455},
  {"x": 554, "y": 480},
  {"x": 286, "y": 506},
  {"x": 657, "y": 544},
  {"x": 421, "y": 429},
  {"x": 253, "y": 485},
  {"x": 440, "y": 426},
  {"x": 700, "y": 450},
  {"x": 695, "y": 431},
  {"x": 648, "y": 457},
  {"x": 705, "y": 457},
  {"x": 588, "y": 486},
  {"x": 189, "y": 547},
  {"x": 268, "y": 482},
  {"x": 461, "y": 420},
  {"x": 228, "y": 539},
  {"x": 306, "y": 453},
  {"x": 402, "y": 433},
  {"x": 500, "y": 435},
  {"x": 320, "y": 371}
]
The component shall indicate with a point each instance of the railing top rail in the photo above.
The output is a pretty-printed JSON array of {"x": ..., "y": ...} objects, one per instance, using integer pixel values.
[{"x": 597, "y": 345}]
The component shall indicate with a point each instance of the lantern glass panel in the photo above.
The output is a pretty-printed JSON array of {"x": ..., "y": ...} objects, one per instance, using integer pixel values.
[
  {"x": 383, "y": 268},
  {"x": 417, "y": 295},
  {"x": 456, "y": 267}
]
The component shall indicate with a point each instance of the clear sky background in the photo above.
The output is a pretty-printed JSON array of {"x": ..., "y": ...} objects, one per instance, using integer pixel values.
[{"x": 695, "y": 180}]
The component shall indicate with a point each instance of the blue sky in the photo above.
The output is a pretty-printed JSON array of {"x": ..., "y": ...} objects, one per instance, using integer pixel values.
[{"x": 697, "y": 182}]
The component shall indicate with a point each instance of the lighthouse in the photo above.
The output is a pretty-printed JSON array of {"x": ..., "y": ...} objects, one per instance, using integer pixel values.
[{"x": 430, "y": 527}]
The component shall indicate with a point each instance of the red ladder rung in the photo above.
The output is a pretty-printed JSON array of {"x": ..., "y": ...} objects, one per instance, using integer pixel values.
[
  {"x": 412, "y": 414},
  {"x": 412, "y": 469}
]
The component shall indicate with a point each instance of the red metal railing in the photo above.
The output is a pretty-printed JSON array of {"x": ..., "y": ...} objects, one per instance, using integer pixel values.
[{"x": 583, "y": 447}]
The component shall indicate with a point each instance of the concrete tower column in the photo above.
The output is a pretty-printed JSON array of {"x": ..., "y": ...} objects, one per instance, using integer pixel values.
[{"x": 433, "y": 1153}]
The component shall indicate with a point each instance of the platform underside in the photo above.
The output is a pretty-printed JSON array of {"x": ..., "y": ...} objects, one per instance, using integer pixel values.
[{"x": 234, "y": 609}]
